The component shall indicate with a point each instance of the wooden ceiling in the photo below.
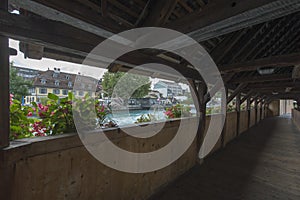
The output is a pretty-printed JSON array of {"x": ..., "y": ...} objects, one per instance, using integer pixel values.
[{"x": 240, "y": 35}]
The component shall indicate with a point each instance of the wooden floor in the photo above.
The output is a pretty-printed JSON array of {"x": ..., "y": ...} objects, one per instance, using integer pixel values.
[{"x": 263, "y": 163}]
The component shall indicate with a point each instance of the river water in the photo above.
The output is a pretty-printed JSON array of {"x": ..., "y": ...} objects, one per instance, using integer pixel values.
[{"x": 129, "y": 117}]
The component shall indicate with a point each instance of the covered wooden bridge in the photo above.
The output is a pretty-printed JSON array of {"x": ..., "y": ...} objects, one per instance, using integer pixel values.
[{"x": 254, "y": 43}]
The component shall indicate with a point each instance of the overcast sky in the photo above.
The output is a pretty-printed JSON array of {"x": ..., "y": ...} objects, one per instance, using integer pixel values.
[{"x": 46, "y": 63}]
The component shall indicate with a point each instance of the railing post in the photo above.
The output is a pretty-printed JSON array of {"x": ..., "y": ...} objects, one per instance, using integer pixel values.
[
  {"x": 255, "y": 107},
  {"x": 4, "y": 85},
  {"x": 224, "y": 111},
  {"x": 248, "y": 110},
  {"x": 238, "y": 111}
]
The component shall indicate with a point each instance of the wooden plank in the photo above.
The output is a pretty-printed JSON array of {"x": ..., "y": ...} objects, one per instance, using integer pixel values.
[
  {"x": 274, "y": 61},
  {"x": 218, "y": 52},
  {"x": 160, "y": 12},
  {"x": 69, "y": 39},
  {"x": 4, "y": 85},
  {"x": 104, "y": 8},
  {"x": 208, "y": 23},
  {"x": 185, "y": 6},
  {"x": 123, "y": 8},
  {"x": 72, "y": 13},
  {"x": 265, "y": 78},
  {"x": 264, "y": 36}
]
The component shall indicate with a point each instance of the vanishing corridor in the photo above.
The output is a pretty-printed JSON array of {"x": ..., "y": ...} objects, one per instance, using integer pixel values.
[{"x": 262, "y": 163}]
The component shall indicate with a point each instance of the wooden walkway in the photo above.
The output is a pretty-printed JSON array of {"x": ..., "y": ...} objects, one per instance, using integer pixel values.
[{"x": 262, "y": 164}]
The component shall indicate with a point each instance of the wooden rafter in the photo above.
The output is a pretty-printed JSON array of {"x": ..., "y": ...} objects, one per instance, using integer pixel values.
[
  {"x": 226, "y": 45},
  {"x": 247, "y": 40},
  {"x": 160, "y": 12},
  {"x": 265, "y": 78},
  {"x": 239, "y": 88},
  {"x": 72, "y": 40},
  {"x": 274, "y": 39},
  {"x": 274, "y": 61},
  {"x": 207, "y": 23}
]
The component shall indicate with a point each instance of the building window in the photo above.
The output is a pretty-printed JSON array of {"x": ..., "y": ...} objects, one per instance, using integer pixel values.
[
  {"x": 67, "y": 77},
  {"x": 43, "y": 90},
  {"x": 74, "y": 92},
  {"x": 56, "y": 91},
  {"x": 32, "y": 99},
  {"x": 70, "y": 84},
  {"x": 80, "y": 93},
  {"x": 56, "y": 83},
  {"x": 31, "y": 90},
  {"x": 55, "y": 75},
  {"x": 43, "y": 81},
  {"x": 65, "y": 92}
]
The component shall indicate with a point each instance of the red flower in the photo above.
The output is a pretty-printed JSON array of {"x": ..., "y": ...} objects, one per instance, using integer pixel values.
[{"x": 29, "y": 114}]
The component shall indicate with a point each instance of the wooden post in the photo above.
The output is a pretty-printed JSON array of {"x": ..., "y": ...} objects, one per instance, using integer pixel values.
[
  {"x": 255, "y": 107},
  {"x": 238, "y": 111},
  {"x": 4, "y": 85},
  {"x": 200, "y": 90},
  {"x": 261, "y": 110},
  {"x": 224, "y": 111},
  {"x": 248, "y": 110}
]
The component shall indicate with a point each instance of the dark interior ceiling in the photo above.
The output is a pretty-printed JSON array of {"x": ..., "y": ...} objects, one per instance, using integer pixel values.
[{"x": 268, "y": 36}]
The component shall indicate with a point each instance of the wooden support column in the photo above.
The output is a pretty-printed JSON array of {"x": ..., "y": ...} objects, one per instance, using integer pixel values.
[
  {"x": 4, "y": 85},
  {"x": 224, "y": 111},
  {"x": 201, "y": 91},
  {"x": 255, "y": 107},
  {"x": 238, "y": 111},
  {"x": 261, "y": 109},
  {"x": 248, "y": 110}
]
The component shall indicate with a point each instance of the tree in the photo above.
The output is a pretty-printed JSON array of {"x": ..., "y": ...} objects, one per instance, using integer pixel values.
[
  {"x": 122, "y": 85},
  {"x": 18, "y": 86}
]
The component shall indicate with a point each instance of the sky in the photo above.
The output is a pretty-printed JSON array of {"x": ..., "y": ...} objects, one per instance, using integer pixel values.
[{"x": 45, "y": 63}]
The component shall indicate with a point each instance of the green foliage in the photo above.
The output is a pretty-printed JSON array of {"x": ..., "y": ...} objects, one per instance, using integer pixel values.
[
  {"x": 110, "y": 80},
  {"x": 178, "y": 111},
  {"x": 55, "y": 116},
  {"x": 20, "y": 123},
  {"x": 145, "y": 118},
  {"x": 18, "y": 86}
]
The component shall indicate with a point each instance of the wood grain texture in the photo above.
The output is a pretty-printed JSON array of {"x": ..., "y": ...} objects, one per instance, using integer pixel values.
[{"x": 261, "y": 164}]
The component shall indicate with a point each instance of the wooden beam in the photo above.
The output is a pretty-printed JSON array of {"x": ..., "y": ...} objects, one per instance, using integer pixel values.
[
  {"x": 261, "y": 37},
  {"x": 238, "y": 110},
  {"x": 248, "y": 95},
  {"x": 274, "y": 85},
  {"x": 222, "y": 48},
  {"x": 123, "y": 8},
  {"x": 66, "y": 38},
  {"x": 274, "y": 61},
  {"x": 247, "y": 40},
  {"x": 236, "y": 92},
  {"x": 72, "y": 13},
  {"x": 207, "y": 23},
  {"x": 274, "y": 39},
  {"x": 104, "y": 8},
  {"x": 262, "y": 78},
  {"x": 160, "y": 12},
  {"x": 4, "y": 85}
]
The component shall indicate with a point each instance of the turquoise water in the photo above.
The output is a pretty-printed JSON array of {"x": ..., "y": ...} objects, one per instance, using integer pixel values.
[{"x": 126, "y": 118}]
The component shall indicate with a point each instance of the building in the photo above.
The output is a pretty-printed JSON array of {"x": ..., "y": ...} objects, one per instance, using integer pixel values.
[
  {"x": 28, "y": 74},
  {"x": 60, "y": 84},
  {"x": 168, "y": 89}
]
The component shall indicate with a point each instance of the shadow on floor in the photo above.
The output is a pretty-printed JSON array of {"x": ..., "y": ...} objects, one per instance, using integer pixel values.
[{"x": 262, "y": 163}]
